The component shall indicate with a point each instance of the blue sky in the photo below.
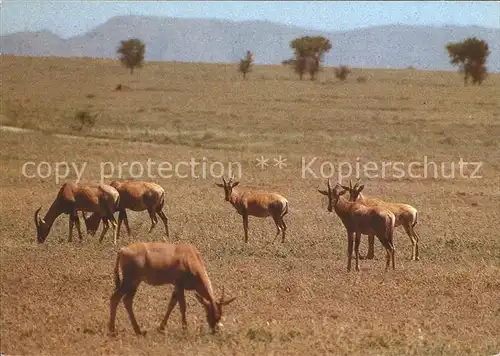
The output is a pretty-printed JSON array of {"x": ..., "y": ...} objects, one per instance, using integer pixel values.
[{"x": 70, "y": 18}]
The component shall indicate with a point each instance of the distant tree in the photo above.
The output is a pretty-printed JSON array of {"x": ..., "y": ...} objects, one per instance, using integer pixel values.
[
  {"x": 342, "y": 72},
  {"x": 470, "y": 56},
  {"x": 307, "y": 64},
  {"x": 309, "y": 53},
  {"x": 287, "y": 62},
  {"x": 246, "y": 64},
  {"x": 131, "y": 53}
]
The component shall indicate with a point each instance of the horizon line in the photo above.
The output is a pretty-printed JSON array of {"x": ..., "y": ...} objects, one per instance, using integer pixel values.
[{"x": 324, "y": 65}]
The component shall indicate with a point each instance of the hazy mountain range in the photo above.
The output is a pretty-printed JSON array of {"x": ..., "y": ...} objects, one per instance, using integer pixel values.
[{"x": 199, "y": 40}]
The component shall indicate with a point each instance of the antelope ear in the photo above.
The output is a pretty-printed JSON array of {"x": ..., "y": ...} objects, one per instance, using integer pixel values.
[
  {"x": 235, "y": 184},
  {"x": 201, "y": 300},
  {"x": 226, "y": 302},
  {"x": 219, "y": 185},
  {"x": 324, "y": 192},
  {"x": 344, "y": 187},
  {"x": 361, "y": 187}
]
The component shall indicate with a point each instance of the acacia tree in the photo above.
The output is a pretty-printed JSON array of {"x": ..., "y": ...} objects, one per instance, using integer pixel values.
[
  {"x": 470, "y": 55},
  {"x": 246, "y": 64},
  {"x": 309, "y": 53},
  {"x": 131, "y": 53}
]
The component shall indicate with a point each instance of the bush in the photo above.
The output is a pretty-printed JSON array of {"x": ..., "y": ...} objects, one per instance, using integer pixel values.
[
  {"x": 361, "y": 79},
  {"x": 246, "y": 64},
  {"x": 84, "y": 119},
  {"x": 342, "y": 72},
  {"x": 121, "y": 87}
]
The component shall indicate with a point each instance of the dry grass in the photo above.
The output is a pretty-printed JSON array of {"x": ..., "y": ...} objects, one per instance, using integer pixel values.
[{"x": 294, "y": 298}]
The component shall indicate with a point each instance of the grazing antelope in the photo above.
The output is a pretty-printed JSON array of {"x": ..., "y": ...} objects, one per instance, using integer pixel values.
[
  {"x": 259, "y": 204},
  {"x": 406, "y": 215},
  {"x": 74, "y": 197},
  {"x": 159, "y": 263},
  {"x": 136, "y": 196},
  {"x": 361, "y": 219}
]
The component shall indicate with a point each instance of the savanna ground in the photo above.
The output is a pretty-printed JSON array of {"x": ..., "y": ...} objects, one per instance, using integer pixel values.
[{"x": 293, "y": 298}]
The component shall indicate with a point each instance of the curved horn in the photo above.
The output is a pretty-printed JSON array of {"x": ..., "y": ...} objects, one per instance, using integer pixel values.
[
  {"x": 357, "y": 184},
  {"x": 201, "y": 299},
  {"x": 226, "y": 302},
  {"x": 328, "y": 185},
  {"x": 224, "y": 180},
  {"x": 222, "y": 301},
  {"x": 37, "y": 219}
]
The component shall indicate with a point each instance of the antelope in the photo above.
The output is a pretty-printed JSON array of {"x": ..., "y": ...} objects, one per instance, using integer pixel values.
[
  {"x": 136, "y": 196},
  {"x": 360, "y": 219},
  {"x": 406, "y": 216},
  {"x": 159, "y": 263},
  {"x": 74, "y": 197},
  {"x": 256, "y": 203}
]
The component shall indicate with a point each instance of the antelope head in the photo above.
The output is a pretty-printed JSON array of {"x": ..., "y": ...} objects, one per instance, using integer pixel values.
[
  {"x": 354, "y": 191},
  {"x": 42, "y": 228},
  {"x": 91, "y": 222},
  {"x": 214, "y": 313},
  {"x": 333, "y": 194},
  {"x": 228, "y": 187}
]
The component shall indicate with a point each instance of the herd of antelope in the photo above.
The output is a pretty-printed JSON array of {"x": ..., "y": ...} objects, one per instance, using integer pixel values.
[{"x": 181, "y": 265}]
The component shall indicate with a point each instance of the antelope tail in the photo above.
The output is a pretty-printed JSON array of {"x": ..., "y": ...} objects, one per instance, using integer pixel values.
[
  {"x": 117, "y": 204},
  {"x": 285, "y": 209},
  {"x": 162, "y": 200},
  {"x": 117, "y": 272},
  {"x": 109, "y": 211}
]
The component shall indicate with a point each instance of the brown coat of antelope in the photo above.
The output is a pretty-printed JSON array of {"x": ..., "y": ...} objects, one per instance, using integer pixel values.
[
  {"x": 74, "y": 197},
  {"x": 406, "y": 216},
  {"x": 259, "y": 204},
  {"x": 136, "y": 196},
  {"x": 360, "y": 219},
  {"x": 159, "y": 263}
]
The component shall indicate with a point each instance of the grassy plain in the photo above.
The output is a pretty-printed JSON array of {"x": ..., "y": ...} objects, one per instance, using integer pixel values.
[{"x": 293, "y": 298}]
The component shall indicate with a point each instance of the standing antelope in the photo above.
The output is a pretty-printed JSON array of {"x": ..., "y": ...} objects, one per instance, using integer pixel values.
[
  {"x": 136, "y": 196},
  {"x": 74, "y": 197},
  {"x": 259, "y": 204},
  {"x": 406, "y": 215},
  {"x": 360, "y": 219},
  {"x": 159, "y": 263}
]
